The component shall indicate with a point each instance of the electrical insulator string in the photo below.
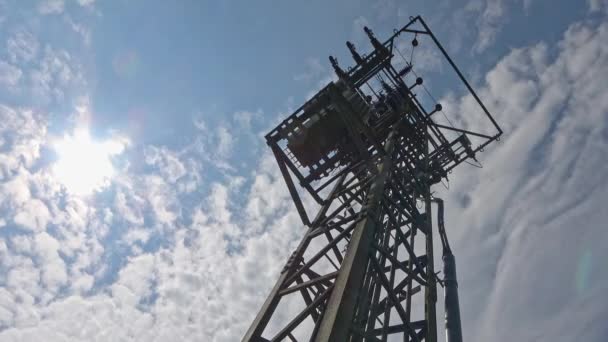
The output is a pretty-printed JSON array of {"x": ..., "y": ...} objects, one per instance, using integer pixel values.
[{"x": 423, "y": 86}]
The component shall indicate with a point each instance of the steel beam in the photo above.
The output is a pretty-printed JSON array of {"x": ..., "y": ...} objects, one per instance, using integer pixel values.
[{"x": 336, "y": 323}]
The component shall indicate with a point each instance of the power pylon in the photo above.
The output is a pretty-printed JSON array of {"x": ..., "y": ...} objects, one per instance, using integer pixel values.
[{"x": 365, "y": 151}]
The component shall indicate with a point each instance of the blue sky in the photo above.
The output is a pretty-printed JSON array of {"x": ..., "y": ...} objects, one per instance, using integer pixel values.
[{"x": 139, "y": 203}]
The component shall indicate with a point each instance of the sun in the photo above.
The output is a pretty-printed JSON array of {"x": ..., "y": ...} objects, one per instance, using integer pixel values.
[{"x": 84, "y": 165}]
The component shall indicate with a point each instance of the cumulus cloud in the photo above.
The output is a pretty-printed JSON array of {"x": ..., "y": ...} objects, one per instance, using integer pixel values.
[
  {"x": 161, "y": 199},
  {"x": 16, "y": 191},
  {"x": 9, "y": 74},
  {"x": 181, "y": 290},
  {"x": 129, "y": 210},
  {"x": 23, "y": 132},
  {"x": 218, "y": 203},
  {"x": 216, "y": 145},
  {"x": 22, "y": 47},
  {"x": 55, "y": 75},
  {"x": 489, "y": 23},
  {"x": 135, "y": 281},
  {"x": 225, "y": 142},
  {"x": 33, "y": 215},
  {"x": 80, "y": 28},
  {"x": 531, "y": 213},
  {"x": 526, "y": 229},
  {"x": 168, "y": 162},
  {"x": 53, "y": 269}
]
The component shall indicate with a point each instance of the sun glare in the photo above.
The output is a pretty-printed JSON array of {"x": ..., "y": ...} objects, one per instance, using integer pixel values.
[{"x": 84, "y": 165}]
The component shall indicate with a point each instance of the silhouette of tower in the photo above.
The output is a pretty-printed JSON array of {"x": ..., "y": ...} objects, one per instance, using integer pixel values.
[{"x": 363, "y": 153}]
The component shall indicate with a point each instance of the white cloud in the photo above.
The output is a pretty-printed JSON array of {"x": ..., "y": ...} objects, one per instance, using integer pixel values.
[
  {"x": 313, "y": 70},
  {"x": 7, "y": 303},
  {"x": 482, "y": 20},
  {"x": 129, "y": 210},
  {"x": 268, "y": 194},
  {"x": 161, "y": 199},
  {"x": 23, "y": 133},
  {"x": 22, "y": 47},
  {"x": 532, "y": 212},
  {"x": 218, "y": 203},
  {"x": 215, "y": 145},
  {"x": 80, "y": 28},
  {"x": 137, "y": 235},
  {"x": 22, "y": 244},
  {"x": 489, "y": 23},
  {"x": 168, "y": 162},
  {"x": 225, "y": 142},
  {"x": 56, "y": 74},
  {"x": 51, "y": 6},
  {"x": 523, "y": 238},
  {"x": 33, "y": 215},
  {"x": 86, "y": 2},
  {"x": 135, "y": 281},
  {"x": 180, "y": 291},
  {"x": 9, "y": 74},
  {"x": 16, "y": 191},
  {"x": 245, "y": 119},
  {"x": 54, "y": 273}
]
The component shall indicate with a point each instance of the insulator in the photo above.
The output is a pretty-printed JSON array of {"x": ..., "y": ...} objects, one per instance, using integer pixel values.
[
  {"x": 337, "y": 69},
  {"x": 354, "y": 53},
  {"x": 373, "y": 39},
  {"x": 405, "y": 70}
]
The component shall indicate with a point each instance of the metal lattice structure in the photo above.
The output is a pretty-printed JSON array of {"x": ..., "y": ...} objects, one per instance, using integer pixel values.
[{"x": 367, "y": 150}]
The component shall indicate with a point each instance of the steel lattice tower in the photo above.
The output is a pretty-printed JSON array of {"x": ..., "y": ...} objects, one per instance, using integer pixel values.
[{"x": 367, "y": 150}]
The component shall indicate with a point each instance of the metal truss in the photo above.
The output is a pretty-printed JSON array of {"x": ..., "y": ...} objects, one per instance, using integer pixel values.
[{"x": 364, "y": 270}]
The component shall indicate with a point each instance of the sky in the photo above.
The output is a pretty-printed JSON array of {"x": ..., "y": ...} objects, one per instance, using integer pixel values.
[{"x": 138, "y": 201}]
